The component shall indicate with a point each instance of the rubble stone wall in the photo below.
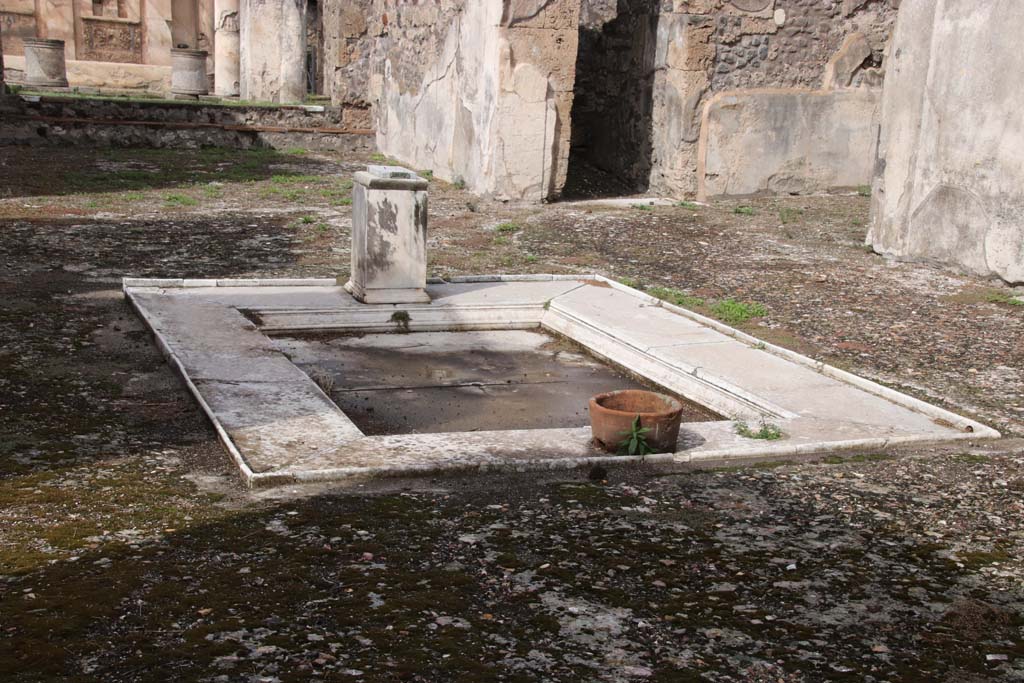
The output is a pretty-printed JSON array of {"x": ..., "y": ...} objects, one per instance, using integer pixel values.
[
  {"x": 126, "y": 123},
  {"x": 484, "y": 91},
  {"x": 950, "y": 172},
  {"x": 706, "y": 47}
]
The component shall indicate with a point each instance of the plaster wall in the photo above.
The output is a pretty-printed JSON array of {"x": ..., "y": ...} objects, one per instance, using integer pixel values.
[
  {"x": 950, "y": 170},
  {"x": 478, "y": 92},
  {"x": 786, "y": 141},
  {"x": 752, "y": 49}
]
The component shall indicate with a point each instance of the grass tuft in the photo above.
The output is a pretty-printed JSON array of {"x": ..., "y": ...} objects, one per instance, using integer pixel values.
[
  {"x": 677, "y": 297},
  {"x": 734, "y": 312},
  {"x": 766, "y": 432},
  {"x": 180, "y": 200}
]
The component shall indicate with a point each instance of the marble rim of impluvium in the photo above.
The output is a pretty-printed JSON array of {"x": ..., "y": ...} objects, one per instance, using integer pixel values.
[{"x": 652, "y": 338}]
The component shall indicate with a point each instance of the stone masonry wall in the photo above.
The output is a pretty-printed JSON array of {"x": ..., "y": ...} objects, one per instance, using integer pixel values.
[
  {"x": 350, "y": 28},
  {"x": 483, "y": 91},
  {"x": 714, "y": 46}
]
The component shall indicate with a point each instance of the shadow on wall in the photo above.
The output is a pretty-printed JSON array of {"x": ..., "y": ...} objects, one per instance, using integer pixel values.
[{"x": 612, "y": 122}]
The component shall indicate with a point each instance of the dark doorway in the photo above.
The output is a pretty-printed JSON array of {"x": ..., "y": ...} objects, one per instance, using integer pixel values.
[
  {"x": 610, "y": 153},
  {"x": 314, "y": 48}
]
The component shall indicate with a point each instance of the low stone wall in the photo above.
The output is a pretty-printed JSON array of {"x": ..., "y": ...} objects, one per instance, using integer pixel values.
[
  {"x": 950, "y": 183},
  {"x": 787, "y": 142},
  {"x": 142, "y": 77},
  {"x": 113, "y": 123}
]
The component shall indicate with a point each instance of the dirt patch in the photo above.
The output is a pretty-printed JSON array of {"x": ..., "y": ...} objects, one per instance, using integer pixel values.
[{"x": 128, "y": 552}]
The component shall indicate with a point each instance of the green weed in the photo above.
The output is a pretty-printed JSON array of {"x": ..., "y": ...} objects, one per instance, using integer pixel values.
[
  {"x": 180, "y": 200},
  {"x": 629, "y": 282},
  {"x": 998, "y": 297},
  {"x": 767, "y": 431},
  {"x": 734, "y": 312},
  {"x": 635, "y": 441},
  {"x": 675, "y": 296},
  {"x": 744, "y": 210},
  {"x": 789, "y": 214},
  {"x": 295, "y": 179}
]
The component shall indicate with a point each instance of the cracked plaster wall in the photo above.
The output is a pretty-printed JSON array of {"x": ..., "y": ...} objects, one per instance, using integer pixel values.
[
  {"x": 478, "y": 92},
  {"x": 950, "y": 170},
  {"x": 483, "y": 90}
]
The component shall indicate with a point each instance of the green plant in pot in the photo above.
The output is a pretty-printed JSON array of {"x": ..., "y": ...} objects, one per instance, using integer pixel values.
[
  {"x": 635, "y": 441},
  {"x": 635, "y": 422}
]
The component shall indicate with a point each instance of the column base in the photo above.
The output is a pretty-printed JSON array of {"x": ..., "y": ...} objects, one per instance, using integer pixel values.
[{"x": 410, "y": 295}]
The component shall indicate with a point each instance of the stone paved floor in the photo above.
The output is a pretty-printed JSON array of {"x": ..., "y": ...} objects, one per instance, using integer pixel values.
[{"x": 129, "y": 553}]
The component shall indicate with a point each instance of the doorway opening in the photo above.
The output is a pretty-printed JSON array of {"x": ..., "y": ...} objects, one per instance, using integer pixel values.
[{"x": 611, "y": 145}]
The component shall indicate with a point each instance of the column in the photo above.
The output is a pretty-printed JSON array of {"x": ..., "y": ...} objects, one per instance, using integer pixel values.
[
  {"x": 225, "y": 48},
  {"x": 272, "y": 49}
]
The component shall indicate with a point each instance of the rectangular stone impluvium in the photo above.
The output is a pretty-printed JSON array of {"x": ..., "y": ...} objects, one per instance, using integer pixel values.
[{"x": 231, "y": 341}]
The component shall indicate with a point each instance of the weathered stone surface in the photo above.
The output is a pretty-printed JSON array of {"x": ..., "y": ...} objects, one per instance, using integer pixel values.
[
  {"x": 847, "y": 60},
  {"x": 478, "y": 93},
  {"x": 44, "y": 63},
  {"x": 157, "y": 23},
  {"x": 188, "y": 72},
  {"x": 951, "y": 158},
  {"x": 787, "y": 141},
  {"x": 389, "y": 237},
  {"x": 145, "y": 77},
  {"x": 707, "y": 47},
  {"x": 272, "y": 41},
  {"x": 226, "y": 76}
]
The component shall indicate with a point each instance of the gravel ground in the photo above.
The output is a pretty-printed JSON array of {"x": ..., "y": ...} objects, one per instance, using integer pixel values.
[{"x": 128, "y": 551}]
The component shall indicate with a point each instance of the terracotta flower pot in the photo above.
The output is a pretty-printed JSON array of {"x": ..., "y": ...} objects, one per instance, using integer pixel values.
[{"x": 612, "y": 416}]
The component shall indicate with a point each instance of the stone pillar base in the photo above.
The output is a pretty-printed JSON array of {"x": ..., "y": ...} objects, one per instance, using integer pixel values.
[
  {"x": 44, "y": 63},
  {"x": 389, "y": 237},
  {"x": 386, "y": 296},
  {"x": 188, "y": 73}
]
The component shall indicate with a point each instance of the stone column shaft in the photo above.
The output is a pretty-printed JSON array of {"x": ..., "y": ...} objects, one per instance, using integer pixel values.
[
  {"x": 226, "y": 64},
  {"x": 273, "y": 50}
]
